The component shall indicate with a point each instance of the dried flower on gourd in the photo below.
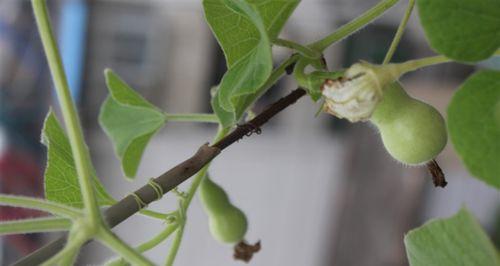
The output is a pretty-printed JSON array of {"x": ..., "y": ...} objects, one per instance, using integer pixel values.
[{"x": 356, "y": 95}]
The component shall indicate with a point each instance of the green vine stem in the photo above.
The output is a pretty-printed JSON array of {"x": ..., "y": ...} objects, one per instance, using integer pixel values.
[
  {"x": 127, "y": 252},
  {"x": 302, "y": 78},
  {"x": 399, "y": 32},
  {"x": 35, "y": 225},
  {"x": 303, "y": 50},
  {"x": 71, "y": 248},
  {"x": 299, "y": 72},
  {"x": 93, "y": 219},
  {"x": 70, "y": 256},
  {"x": 415, "y": 64},
  {"x": 153, "y": 214},
  {"x": 153, "y": 242},
  {"x": 39, "y": 204},
  {"x": 388, "y": 73},
  {"x": 353, "y": 26},
  {"x": 176, "y": 243},
  {"x": 205, "y": 118},
  {"x": 68, "y": 109}
]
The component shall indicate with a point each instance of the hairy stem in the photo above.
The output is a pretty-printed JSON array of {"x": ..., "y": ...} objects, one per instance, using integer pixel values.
[
  {"x": 206, "y": 118},
  {"x": 68, "y": 109},
  {"x": 176, "y": 243},
  {"x": 45, "y": 224},
  {"x": 394, "y": 71},
  {"x": 69, "y": 249},
  {"x": 299, "y": 72},
  {"x": 153, "y": 214},
  {"x": 70, "y": 256},
  {"x": 303, "y": 50},
  {"x": 128, "y": 253},
  {"x": 353, "y": 26},
  {"x": 415, "y": 64},
  {"x": 158, "y": 238},
  {"x": 399, "y": 32},
  {"x": 39, "y": 204},
  {"x": 153, "y": 242}
]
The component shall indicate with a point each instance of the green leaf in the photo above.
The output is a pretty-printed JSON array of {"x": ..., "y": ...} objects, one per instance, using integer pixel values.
[
  {"x": 225, "y": 118},
  {"x": 246, "y": 77},
  {"x": 252, "y": 69},
  {"x": 275, "y": 14},
  {"x": 129, "y": 121},
  {"x": 237, "y": 33},
  {"x": 61, "y": 179},
  {"x": 243, "y": 29},
  {"x": 458, "y": 240},
  {"x": 474, "y": 125},
  {"x": 463, "y": 30}
]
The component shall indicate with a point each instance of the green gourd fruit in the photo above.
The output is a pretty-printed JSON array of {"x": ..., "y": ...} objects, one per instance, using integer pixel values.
[
  {"x": 227, "y": 223},
  {"x": 412, "y": 131}
]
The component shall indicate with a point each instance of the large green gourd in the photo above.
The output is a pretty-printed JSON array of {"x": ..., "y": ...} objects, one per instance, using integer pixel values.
[{"x": 412, "y": 131}]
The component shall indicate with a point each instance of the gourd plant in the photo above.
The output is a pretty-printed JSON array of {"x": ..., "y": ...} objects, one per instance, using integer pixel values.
[{"x": 413, "y": 132}]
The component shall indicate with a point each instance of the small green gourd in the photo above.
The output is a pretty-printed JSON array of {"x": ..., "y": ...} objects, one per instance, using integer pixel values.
[
  {"x": 412, "y": 131},
  {"x": 227, "y": 223}
]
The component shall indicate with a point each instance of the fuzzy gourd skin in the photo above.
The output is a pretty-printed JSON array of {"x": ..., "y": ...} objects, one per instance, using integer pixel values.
[
  {"x": 227, "y": 223},
  {"x": 412, "y": 131},
  {"x": 229, "y": 226}
]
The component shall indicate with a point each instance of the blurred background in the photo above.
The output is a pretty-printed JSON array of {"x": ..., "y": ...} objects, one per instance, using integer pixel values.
[{"x": 317, "y": 191}]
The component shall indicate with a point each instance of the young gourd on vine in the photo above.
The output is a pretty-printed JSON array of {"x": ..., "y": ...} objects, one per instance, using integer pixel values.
[
  {"x": 227, "y": 223},
  {"x": 413, "y": 132}
]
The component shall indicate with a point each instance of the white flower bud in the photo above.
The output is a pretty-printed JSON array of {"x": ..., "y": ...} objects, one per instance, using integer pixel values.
[{"x": 355, "y": 96}]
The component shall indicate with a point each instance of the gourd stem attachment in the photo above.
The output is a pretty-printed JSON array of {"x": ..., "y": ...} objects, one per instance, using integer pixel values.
[{"x": 415, "y": 64}]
